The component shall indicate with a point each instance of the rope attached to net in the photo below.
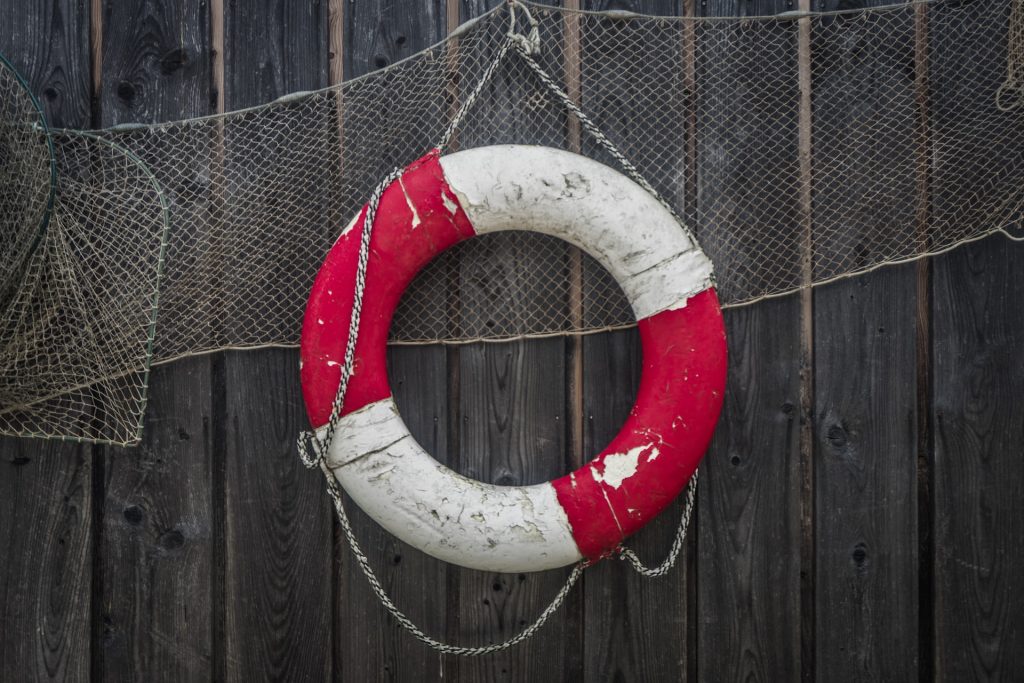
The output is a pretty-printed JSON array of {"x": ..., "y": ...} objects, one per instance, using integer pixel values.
[
  {"x": 1009, "y": 94},
  {"x": 313, "y": 449}
]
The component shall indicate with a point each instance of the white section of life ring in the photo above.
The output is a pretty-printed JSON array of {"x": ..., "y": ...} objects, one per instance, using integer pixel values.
[
  {"x": 509, "y": 187},
  {"x": 454, "y": 518}
]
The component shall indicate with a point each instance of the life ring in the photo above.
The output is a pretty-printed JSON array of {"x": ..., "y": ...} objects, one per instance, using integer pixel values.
[{"x": 439, "y": 201}]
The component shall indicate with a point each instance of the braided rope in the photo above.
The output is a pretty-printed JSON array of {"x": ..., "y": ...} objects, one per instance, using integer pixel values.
[
  {"x": 1009, "y": 94},
  {"x": 313, "y": 450}
]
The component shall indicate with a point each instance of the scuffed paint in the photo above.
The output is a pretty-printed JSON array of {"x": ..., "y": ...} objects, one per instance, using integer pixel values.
[
  {"x": 453, "y": 518},
  {"x": 507, "y": 187}
]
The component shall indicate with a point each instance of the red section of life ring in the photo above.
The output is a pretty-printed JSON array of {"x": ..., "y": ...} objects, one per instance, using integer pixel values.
[{"x": 640, "y": 472}]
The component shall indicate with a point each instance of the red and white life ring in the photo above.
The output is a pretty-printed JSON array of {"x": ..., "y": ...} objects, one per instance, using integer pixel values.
[{"x": 440, "y": 201}]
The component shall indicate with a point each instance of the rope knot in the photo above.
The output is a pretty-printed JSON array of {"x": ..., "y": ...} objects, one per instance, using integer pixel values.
[{"x": 530, "y": 43}]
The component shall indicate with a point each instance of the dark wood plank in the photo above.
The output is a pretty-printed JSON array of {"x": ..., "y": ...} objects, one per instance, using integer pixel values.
[
  {"x": 749, "y": 587},
  {"x": 513, "y": 417},
  {"x": 369, "y": 643},
  {"x": 979, "y": 481},
  {"x": 49, "y": 45},
  {"x": 278, "y": 541},
  {"x": 278, "y": 589},
  {"x": 865, "y": 477},
  {"x": 156, "y": 542},
  {"x": 46, "y": 532},
  {"x": 635, "y": 628},
  {"x": 865, "y": 336},
  {"x": 976, "y": 374},
  {"x": 749, "y": 529},
  {"x": 512, "y": 410},
  {"x": 46, "y": 488}
]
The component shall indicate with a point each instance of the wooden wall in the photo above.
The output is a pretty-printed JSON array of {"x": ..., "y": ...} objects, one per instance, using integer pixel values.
[{"x": 861, "y": 512}]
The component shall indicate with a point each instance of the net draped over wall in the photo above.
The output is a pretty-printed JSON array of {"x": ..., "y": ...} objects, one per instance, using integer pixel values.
[{"x": 800, "y": 148}]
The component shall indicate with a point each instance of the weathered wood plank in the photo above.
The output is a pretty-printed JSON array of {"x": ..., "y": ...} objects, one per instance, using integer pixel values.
[
  {"x": 749, "y": 530},
  {"x": 156, "y": 540},
  {"x": 865, "y": 334},
  {"x": 634, "y": 628},
  {"x": 369, "y": 643},
  {"x": 46, "y": 509},
  {"x": 976, "y": 374},
  {"x": 512, "y": 409},
  {"x": 278, "y": 589},
  {"x": 749, "y": 588},
  {"x": 513, "y": 420},
  {"x": 46, "y": 488},
  {"x": 979, "y": 481}
]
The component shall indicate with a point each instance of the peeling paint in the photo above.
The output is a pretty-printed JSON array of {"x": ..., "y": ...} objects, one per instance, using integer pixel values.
[
  {"x": 412, "y": 207},
  {"x": 449, "y": 204},
  {"x": 530, "y": 528},
  {"x": 618, "y": 467}
]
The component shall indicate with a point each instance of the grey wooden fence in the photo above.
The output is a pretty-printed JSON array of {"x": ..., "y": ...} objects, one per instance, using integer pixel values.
[{"x": 861, "y": 512}]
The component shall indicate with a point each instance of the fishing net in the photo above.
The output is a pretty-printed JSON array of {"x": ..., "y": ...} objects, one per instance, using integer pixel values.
[
  {"x": 800, "y": 148},
  {"x": 27, "y": 177}
]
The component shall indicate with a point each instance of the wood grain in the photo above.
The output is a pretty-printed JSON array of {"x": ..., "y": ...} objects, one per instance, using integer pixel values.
[
  {"x": 377, "y": 34},
  {"x": 278, "y": 531},
  {"x": 979, "y": 482},
  {"x": 749, "y": 587},
  {"x": 46, "y": 509},
  {"x": 976, "y": 380},
  {"x": 157, "y": 535},
  {"x": 865, "y": 332},
  {"x": 634, "y": 628},
  {"x": 47, "y": 501}
]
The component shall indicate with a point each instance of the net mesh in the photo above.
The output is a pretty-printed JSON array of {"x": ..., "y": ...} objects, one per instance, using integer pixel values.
[
  {"x": 800, "y": 148},
  {"x": 26, "y": 178}
]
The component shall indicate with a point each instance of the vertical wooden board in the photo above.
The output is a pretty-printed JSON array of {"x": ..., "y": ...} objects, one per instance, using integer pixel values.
[
  {"x": 156, "y": 542},
  {"x": 46, "y": 488},
  {"x": 512, "y": 413},
  {"x": 976, "y": 374},
  {"x": 278, "y": 524},
  {"x": 278, "y": 543},
  {"x": 49, "y": 45},
  {"x": 978, "y": 326},
  {"x": 865, "y": 477},
  {"x": 748, "y": 578},
  {"x": 865, "y": 353},
  {"x": 634, "y": 628},
  {"x": 369, "y": 643},
  {"x": 157, "y": 537},
  {"x": 46, "y": 509},
  {"x": 749, "y": 587}
]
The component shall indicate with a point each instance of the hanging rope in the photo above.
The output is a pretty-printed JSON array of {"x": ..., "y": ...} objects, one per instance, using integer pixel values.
[
  {"x": 1008, "y": 96},
  {"x": 313, "y": 450}
]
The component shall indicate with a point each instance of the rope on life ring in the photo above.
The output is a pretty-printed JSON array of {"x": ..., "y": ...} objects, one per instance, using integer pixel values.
[
  {"x": 439, "y": 201},
  {"x": 361, "y": 443}
]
